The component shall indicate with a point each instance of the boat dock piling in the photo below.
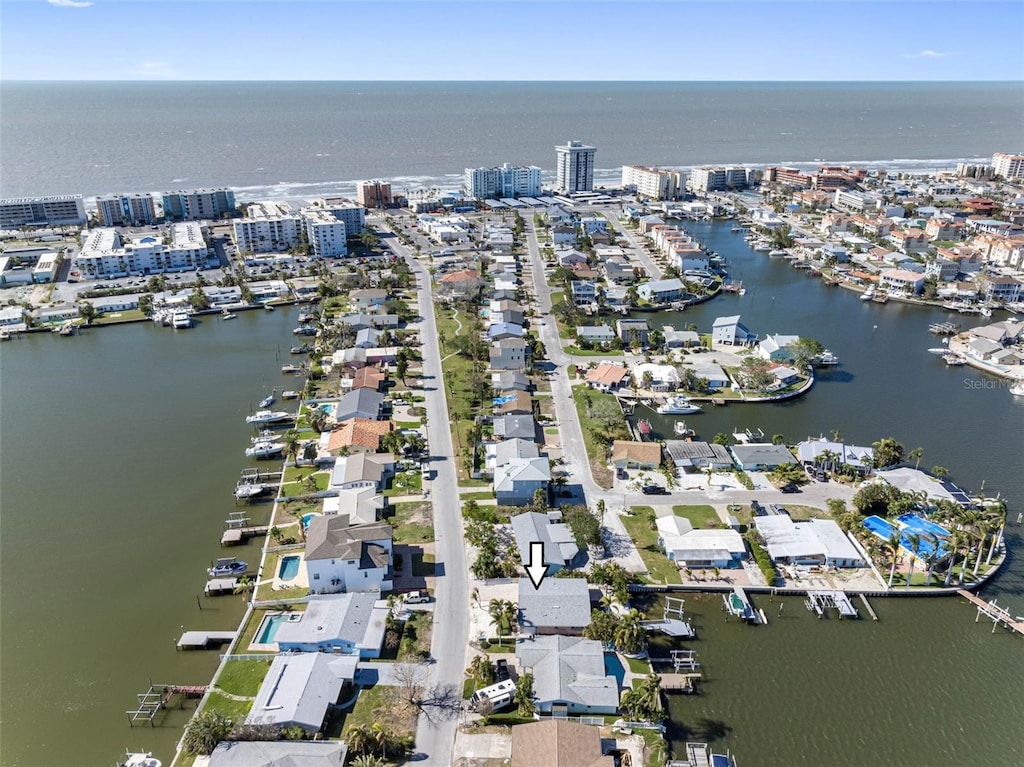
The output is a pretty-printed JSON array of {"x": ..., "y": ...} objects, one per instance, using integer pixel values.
[
  {"x": 998, "y": 614},
  {"x": 156, "y": 698},
  {"x": 237, "y": 535},
  {"x": 819, "y": 601},
  {"x": 867, "y": 606},
  {"x": 218, "y": 586},
  {"x": 203, "y": 640}
]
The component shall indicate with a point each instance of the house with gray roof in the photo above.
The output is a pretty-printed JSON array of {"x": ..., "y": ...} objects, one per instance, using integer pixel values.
[
  {"x": 501, "y": 330},
  {"x": 509, "y": 354},
  {"x": 362, "y": 469},
  {"x": 359, "y": 403},
  {"x": 299, "y": 688},
  {"x": 510, "y": 380},
  {"x": 731, "y": 332},
  {"x": 699, "y": 455},
  {"x": 560, "y": 549},
  {"x": 512, "y": 426},
  {"x": 506, "y": 451},
  {"x": 350, "y": 624},
  {"x": 558, "y": 606},
  {"x": 675, "y": 339},
  {"x": 343, "y": 557},
  {"x": 761, "y": 456},
  {"x": 279, "y": 753},
  {"x": 367, "y": 338},
  {"x": 660, "y": 291},
  {"x": 626, "y": 330},
  {"x": 569, "y": 676},
  {"x": 618, "y": 269},
  {"x": 595, "y": 334},
  {"x": 516, "y": 482}
]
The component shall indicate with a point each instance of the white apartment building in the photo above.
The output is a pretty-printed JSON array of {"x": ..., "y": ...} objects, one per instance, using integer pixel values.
[
  {"x": 57, "y": 210},
  {"x": 654, "y": 183},
  {"x": 109, "y": 253},
  {"x": 574, "y": 167},
  {"x": 505, "y": 181},
  {"x": 1009, "y": 167},
  {"x": 349, "y": 211},
  {"x": 126, "y": 209},
  {"x": 716, "y": 179},
  {"x": 268, "y": 227},
  {"x": 858, "y": 201},
  {"x": 326, "y": 234},
  {"x": 198, "y": 204}
]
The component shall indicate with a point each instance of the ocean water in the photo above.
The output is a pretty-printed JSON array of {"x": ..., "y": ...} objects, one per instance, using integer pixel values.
[{"x": 311, "y": 138}]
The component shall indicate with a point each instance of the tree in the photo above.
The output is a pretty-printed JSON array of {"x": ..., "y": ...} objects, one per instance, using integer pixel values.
[
  {"x": 245, "y": 586},
  {"x": 888, "y": 452},
  {"x": 721, "y": 439},
  {"x": 778, "y": 439},
  {"x": 804, "y": 351},
  {"x": 291, "y": 445},
  {"x": 503, "y": 613},
  {"x": 602, "y": 626},
  {"x": 146, "y": 304},
  {"x": 402, "y": 363},
  {"x": 524, "y": 694},
  {"x": 940, "y": 471},
  {"x": 643, "y": 702},
  {"x": 629, "y": 634},
  {"x": 482, "y": 670},
  {"x": 893, "y": 542},
  {"x": 317, "y": 420},
  {"x": 87, "y": 311},
  {"x": 755, "y": 374},
  {"x": 198, "y": 300},
  {"x": 205, "y": 731},
  {"x": 915, "y": 547},
  {"x": 915, "y": 455}
]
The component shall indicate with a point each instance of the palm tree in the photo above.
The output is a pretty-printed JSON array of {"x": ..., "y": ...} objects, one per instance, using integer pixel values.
[
  {"x": 502, "y": 611},
  {"x": 997, "y": 515},
  {"x": 915, "y": 547},
  {"x": 317, "y": 420},
  {"x": 245, "y": 586},
  {"x": 893, "y": 543},
  {"x": 888, "y": 452},
  {"x": 291, "y": 445},
  {"x": 524, "y": 694},
  {"x": 629, "y": 634},
  {"x": 359, "y": 739},
  {"x": 481, "y": 669},
  {"x": 367, "y": 760},
  {"x": 933, "y": 555},
  {"x": 915, "y": 455},
  {"x": 957, "y": 542}
]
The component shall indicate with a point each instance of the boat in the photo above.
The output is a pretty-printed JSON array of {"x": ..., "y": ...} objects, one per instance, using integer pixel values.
[
  {"x": 304, "y": 330},
  {"x": 825, "y": 359},
  {"x": 227, "y": 566},
  {"x": 644, "y": 427},
  {"x": 681, "y": 430},
  {"x": 181, "y": 320},
  {"x": 289, "y": 394},
  {"x": 304, "y": 349},
  {"x": 741, "y": 292},
  {"x": 226, "y": 315},
  {"x": 139, "y": 759},
  {"x": 867, "y": 295},
  {"x": 986, "y": 311},
  {"x": 5, "y": 335},
  {"x": 939, "y": 350},
  {"x": 67, "y": 329},
  {"x": 736, "y": 603},
  {"x": 290, "y": 369},
  {"x": 269, "y": 416},
  {"x": 762, "y": 247},
  {"x": 268, "y": 307},
  {"x": 678, "y": 405},
  {"x": 248, "y": 490},
  {"x": 264, "y": 449},
  {"x": 305, "y": 317},
  {"x": 267, "y": 401},
  {"x": 953, "y": 359},
  {"x": 777, "y": 253},
  {"x": 736, "y": 229},
  {"x": 1017, "y": 389}
]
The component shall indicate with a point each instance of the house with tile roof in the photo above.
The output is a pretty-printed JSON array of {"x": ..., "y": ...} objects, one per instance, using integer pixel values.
[
  {"x": 636, "y": 455},
  {"x": 355, "y": 435},
  {"x": 558, "y": 743}
]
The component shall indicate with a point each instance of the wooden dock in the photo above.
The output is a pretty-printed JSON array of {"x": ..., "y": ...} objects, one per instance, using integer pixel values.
[
  {"x": 204, "y": 640},
  {"x": 999, "y": 615},
  {"x": 820, "y": 601},
  {"x": 673, "y": 627},
  {"x": 679, "y": 682},
  {"x": 238, "y": 535},
  {"x": 219, "y": 586},
  {"x": 157, "y": 698}
]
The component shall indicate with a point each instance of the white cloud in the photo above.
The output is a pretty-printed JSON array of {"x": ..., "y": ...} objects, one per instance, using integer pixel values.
[
  {"x": 69, "y": 3},
  {"x": 927, "y": 54},
  {"x": 157, "y": 70}
]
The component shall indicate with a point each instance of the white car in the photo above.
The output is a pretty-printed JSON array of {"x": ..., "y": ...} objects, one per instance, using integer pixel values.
[{"x": 416, "y": 598}]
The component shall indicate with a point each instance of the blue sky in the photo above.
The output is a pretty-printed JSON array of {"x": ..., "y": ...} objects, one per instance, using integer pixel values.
[{"x": 484, "y": 40}]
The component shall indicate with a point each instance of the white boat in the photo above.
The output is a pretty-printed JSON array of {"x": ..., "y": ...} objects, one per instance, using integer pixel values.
[
  {"x": 986, "y": 311},
  {"x": 290, "y": 369},
  {"x": 954, "y": 360},
  {"x": 289, "y": 394},
  {"x": 181, "y": 320},
  {"x": 681, "y": 429},
  {"x": 140, "y": 759},
  {"x": 228, "y": 316},
  {"x": 268, "y": 307},
  {"x": 264, "y": 449},
  {"x": 867, "y": 295},
  {"x": 826, "y": 359},
  {"x": 742, "y": 292},
  {"x": 776, "y": 253},
  {"x": 1017, "y": 389},
  {"x": 249, "y": 490},
  {"x": 678, "y": 405},
  {"x": 939, "y": 350},
  {"x": 762, "y": 247},
  {"x": 267, "y": 401},
  {"x": 269, "y": 416}
]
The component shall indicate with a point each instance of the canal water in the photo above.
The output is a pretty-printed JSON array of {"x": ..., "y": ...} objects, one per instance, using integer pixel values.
[{"x": 121, "y": 448}]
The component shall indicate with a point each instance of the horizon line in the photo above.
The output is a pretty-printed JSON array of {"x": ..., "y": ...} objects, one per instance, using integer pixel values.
[{"x": 153, "y": 80}]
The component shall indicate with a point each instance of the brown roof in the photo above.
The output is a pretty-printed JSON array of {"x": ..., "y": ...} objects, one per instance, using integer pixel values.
[
  {"x": 607, "y": 374},
  {"x": 557, "y": 743},
  {"x": 520, "y": 402},
  {"x": 641, "y": 452},
  {"x": 463, "y": 275},
  {"x": 369, "y": 377},
  {"x": 358, "y": 432}
]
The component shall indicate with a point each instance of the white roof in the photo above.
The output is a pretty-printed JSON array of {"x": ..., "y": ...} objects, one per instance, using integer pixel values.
[
  {"x": 679, "y": 537},
  {"x": 912, "y": 480}
]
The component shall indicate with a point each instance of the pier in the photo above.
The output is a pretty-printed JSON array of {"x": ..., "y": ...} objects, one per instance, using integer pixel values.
[
  {"x": 820, "y": 601},
  {"x": 156, "y": 699},
  {"x": 219, "y": 586},
  {"x": 671, "y": 622},
  {"x": 736, "y": 603},
  {"x": 685, "y": 674},
  {"x": 238, "y": 535},
  {"x": 867, "y": 606},
  {"x": 999, "y": 616},
  {"x": 204, "y": 640}
]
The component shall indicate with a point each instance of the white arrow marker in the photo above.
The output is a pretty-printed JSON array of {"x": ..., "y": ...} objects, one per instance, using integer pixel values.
[{"x": 536, "y": 568}]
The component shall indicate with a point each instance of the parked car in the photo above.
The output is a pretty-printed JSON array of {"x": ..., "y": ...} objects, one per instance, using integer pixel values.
[
  {"x": 654, "y": 490},
  {"x": 757, "y": 509},
  {"x": 792, "y": 487},
  {"x": 622, "y": 474},
  {"x": 501, "y": 670},
  {"x": 416, "y": 598}
]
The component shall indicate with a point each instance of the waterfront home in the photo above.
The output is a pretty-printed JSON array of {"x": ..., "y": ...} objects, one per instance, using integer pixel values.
[
  {"x": 347, "y": 624},
  {"x": 509, "y": 354},
  {"x": 360, "y": 321},
  {"x": 761, "y": 456},
  {"x": 618, "y": 269},
  {"x": 267, "y": 290},
  {"x": 362, "y": 470},
  {"x": 699, "y": 455},
  {"x": 279, "y": 753},
  {"x": 785, "y": 376},
  {"x": 633, "y": 332},
  {"x": 517, "y": 481},
  {"x": 656, "y": 378},
  {"x": 506, "y": 451},
  {"x": 55, "y": 314},
  {"x": 299, "y": 689},
  {"x": 901, "y": 281},
  {"x": 1003, "y": 288},
  {"x": 731, "y": 332},
  {"x": 607, "y": 376},
  {"x": 558, "y": 743},
  {"x": 982, "y": 348},
  {"x": 370, "y": 377},
  {"x": 516, "y": 403},
  {"x": 915, "y": 481},
  {"x": 775, "y": 348},
  {"x": 344, "y": 557},
  {"x": 569, "y": 675},
  {"x": 909, "y": 241},
  {"x": 833, "y": 253},
  {"x": 362, "y": 505},
  {"x": 645, "y": 456},
  {"x": 376, "y": 355},
  {"x": 647, "y": 223},
  {"x": 509, "y": 380},
  {"x": 584, "y": 292},
  {"x": 996, "y": 332},
  {"x": 814, "y": 542},
  {"x": 689, "y": 548},
  {"x": 367, "y": 298},
  {"x": 359, "y": 403},
  {"x": 515, "y": 426},
  {"x": 560, "y": 549},
  {"x": 349, "y": 359},
  {"x": 557, "y": 606},
  {"x": 661, "y": 291},
  {"x": 355, "y": 435},
  {"x": 502, "y": 330},
  {"x": 595, "y": 334},
  {"x": 711, "y": 372},
  {"x": 942, "y": 269},
  {"x": 12, "y": 318},
  {"x": 675, "y": 339},
  {"x": 814, "y": 451},
  {"x": 105, "y": 304}
]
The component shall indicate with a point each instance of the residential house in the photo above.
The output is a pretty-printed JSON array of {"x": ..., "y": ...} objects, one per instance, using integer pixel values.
[
  {"x": 361, "y": 505},
  {"x": 759, "y": 456},
  {"x": 593, "y": 224},
  {"x": 359, "y": 403},
  {"x": 811, "y": 452},
  {"x": 690, "y": 548},
  {"x": 636, "y": 455},
  {"x": 362, "y": 470},
  {"x": 814, "y": 542},
  {"x": 1002, "y": 288},
  {"x": 914, "y": 481},
  {"x": 785, "y": 376},
  {"x": 942, "y": 269},
  {"x": 656, "y": 378},
  {"x": 731, "y": 332},
  {"x": 55, "y": 314},
  {"x": 567, "y": 259},
  {"x": 982, "y": 348},
  {"x": 349, "y": 624},
  {"x": 584, "y": 292},
  {"x": 464, "y": 283},
  {"x": 901, "y": 281},
  {"x": 560, "y": 549},
  {"x": 595, "y": 334},
  {"x": 515, "y": 426},
  {"x": 699, "y": 455},
  {"x": 558, "y": 743},
  {"x": 506, "y": 311},
  {"x": 775, "y": 348},
  {"x": 280, "y": 753},
  {"x": 106, "y": 304},
  {"x": 563, "y": 234},
  {"x": 509, "y": 380},
  {"x": 711, "y": 372},
  {"x": 298, "y": 690},
  {"x": 514, "y": 403},
  {"x": 557, "y": 606},
  {"x": 370, "y": 377},
  {"x": 676, "y": 339},
  {"x": 661, "y": 291},
  {"x": 344, "y": 557},
  {"x": 506, "y": 451},
  {"x": 618, "y": 270},
  {"x": 509, "y": 354},
  {"x": 355, "y": 435},
  {"x": 516, "y": 482},
  {"x": 633, "y": 332},
  {"x": 944, "y": 229},
  {"x": 569, "y": 675},
  {"x": 350, "y": 359},
  {"x": 367, "y": 298},
  {"x": 607, "y": 376},
  {"x": 367, "y": 338},
  {"x": 910, "y": 241},
  {"x": 503, "y": 330}
]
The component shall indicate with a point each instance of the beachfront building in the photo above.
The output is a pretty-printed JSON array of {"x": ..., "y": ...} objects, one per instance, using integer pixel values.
[
  {"x": 717, "y": 179},
  {"x": 344, "y": 209},
  {"x": 374, "y": 194},
  {"x": 901, "y": 281},
  {"x": 268, "y": 227},
  {"x": 502, "y": 181},
  {"x": 574, "y": 167},
  {"x": 198, "y": 204},
  {"x": 1009, "y": 167},
  {"x": 111, "y": 253},
  {"x": 126, "y": 209},
  {"x": 731, "y": 332},
  {"x": 654, "y": 183},
  {"x": 326, "y": 234},
  {"x": 56, "y": 210}
]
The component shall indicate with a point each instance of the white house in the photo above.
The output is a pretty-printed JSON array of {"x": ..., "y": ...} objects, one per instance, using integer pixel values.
[
  {"x": 901, "y": 281},
  {"x": 662, "y": 377},
  {"x": 731, "y": 332},
  {"x": 720, "y": 547},
  {"x": 343, "y": 557},
  {"x": 660, "y": 291},
  {"x": 569, "y": 675},
  {"x": 298, "y": 689},
  {"x": 775, "y": 348},
  {"x": 349, "y": 624},
  {"x": 815, "y": 542}
]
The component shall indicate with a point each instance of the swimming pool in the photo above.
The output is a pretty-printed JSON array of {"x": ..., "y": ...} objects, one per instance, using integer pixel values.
[
  {"x": 884, "y": 530},
  {"x": 919, "y": 525},
  {"x": 306, "y": 518},
  {"x": 268, "y": 630},
  {"x": 328, "y": 408},
  {"x": 288, "y": 568},
  {"x": 613, "y": 666}
]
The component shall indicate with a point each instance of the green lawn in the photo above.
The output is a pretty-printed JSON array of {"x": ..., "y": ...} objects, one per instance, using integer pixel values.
[
  {"x": 578, "y": 352},
  {"x": 236, "y": 710},
  {"x": 406, "y": 483},
  {"x": 131, "y": 315},
  {"x": 407, "y": 531},
  {"x": 407, "y": 424},
  {"x": 481, "y": 496},
  {"x": 597, "y": 449},
  {"x": 639, "y": 666},
  {"x": 364, "y": 712},
  {"x": 416, "y": 636},
  {"x": 464, "y": 482},
  {"x": 661, "y": 570},
  {"x": 243, "y": 677},
  {"x": 802, "y": 513},
  {"x": 699, "y": 516}
]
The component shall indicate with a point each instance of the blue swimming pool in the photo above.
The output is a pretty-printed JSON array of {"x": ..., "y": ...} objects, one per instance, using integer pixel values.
[
  {"x": 268, "y": 630},
  {"x": 328, "y": 408},
  {"x": 919, "y": 525},
  {"x": 288, "y": 568},
  {"x": 884, "y": 530},
  {"x": 306, "y": 518},
  {"x": 613, "y": 666}
]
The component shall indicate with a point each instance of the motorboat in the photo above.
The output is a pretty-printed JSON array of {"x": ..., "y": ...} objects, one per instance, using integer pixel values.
[
  {"x": 181, "y": 320},
  {"x": 304, "y": 330},
  {"x": 268, "y": 307},
  {"x": 825, "y": 359},
  {"x": 267, "y": 401},
  {"x": 683, "y": 431},
  {"x": 249, "y": 490},
  {"x": 228, "y": 316},
  {"x": 678, "y": 405},
  {"x": 644, "y": 427},
  {"x": 267, "y": 435},
  {"x": 289, "y": 394},
  {"x": 264, "y": 449},
  {"x": 305, "y": 317},
  {"x": 867, "y": 295},
  {"x": 986, "y": 311},
  {"x": 139, "y": 759},
  {"x": 304, "y": 349},
  {"x": 1017, "y": 389},
  {"x": 777, "y": 253},
  {"x": 290, "y": 369},
  {"x": 226, "y": 566},
  {"x": 954, "y": 360},
  {"x": 269, "y": 416},
  {"x": 762, "y": 247}
]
